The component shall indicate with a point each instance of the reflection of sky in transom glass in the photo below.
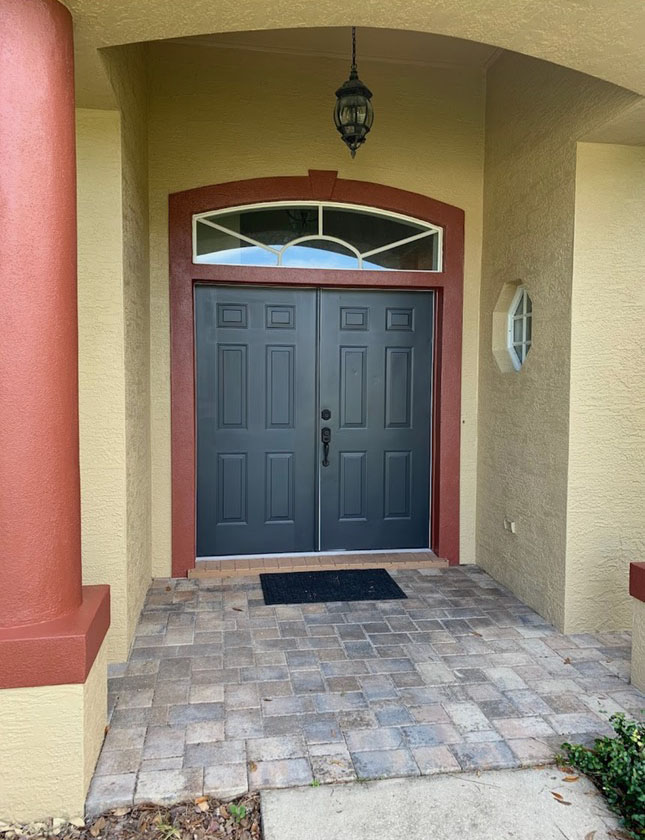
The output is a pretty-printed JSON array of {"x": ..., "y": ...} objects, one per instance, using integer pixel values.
[
  {"x": 297, "y": 256},
  {"x": 303, "y": 256},
  {"x": 239, "y": 256}
]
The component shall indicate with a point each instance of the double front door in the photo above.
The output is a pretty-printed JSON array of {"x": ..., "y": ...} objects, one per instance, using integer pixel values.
[{"x": 313, "y": 419}]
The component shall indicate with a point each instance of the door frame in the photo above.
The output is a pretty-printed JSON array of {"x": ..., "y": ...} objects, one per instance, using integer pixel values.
[{"x": 318, "y": 185}]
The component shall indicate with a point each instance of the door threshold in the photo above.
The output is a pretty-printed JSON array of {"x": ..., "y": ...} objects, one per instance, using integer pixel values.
[
  {"x": 316, "y": 561},
  {"x": 341, "y": 552}
]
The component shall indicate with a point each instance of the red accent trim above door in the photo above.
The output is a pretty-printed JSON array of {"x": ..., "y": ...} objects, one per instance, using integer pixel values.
[{"x": 319, "y": 185}]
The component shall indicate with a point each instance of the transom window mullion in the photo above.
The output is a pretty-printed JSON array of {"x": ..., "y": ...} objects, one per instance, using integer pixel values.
[{"x": 398, "y": 243}]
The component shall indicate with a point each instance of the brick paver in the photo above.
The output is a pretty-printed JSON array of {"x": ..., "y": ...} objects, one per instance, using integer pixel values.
[{"x": 222, "y": 693}]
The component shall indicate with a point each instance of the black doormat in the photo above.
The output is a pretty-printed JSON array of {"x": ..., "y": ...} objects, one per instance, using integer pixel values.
[{"x": 318, "y": 587}]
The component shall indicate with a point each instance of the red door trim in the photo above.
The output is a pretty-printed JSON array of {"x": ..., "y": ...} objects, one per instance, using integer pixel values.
[{"x": 319, "y": 185}]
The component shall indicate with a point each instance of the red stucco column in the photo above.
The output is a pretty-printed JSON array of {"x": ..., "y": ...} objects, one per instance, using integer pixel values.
[{"x": 40, "y": 547}]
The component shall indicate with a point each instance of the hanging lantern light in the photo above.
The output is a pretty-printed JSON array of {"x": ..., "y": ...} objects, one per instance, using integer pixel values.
[{"x": 354, "y": 112}]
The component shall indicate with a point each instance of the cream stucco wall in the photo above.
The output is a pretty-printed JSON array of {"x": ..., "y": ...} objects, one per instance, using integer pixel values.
[
  {"x": 606, "y": 489},
  {"x": 223, "y": 115},
  {"x": 128, "y": 75},
  {"x": 535, "y": 112},
  {"x": 114, "y": 344},
  {"x": 101, "y": 362},
  {"x": 51, "y": 737}
]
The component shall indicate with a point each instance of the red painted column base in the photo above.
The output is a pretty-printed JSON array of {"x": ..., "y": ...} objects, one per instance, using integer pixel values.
[
  {"x": 637, "y": 580},
  {"x": 56, "y": 652}
]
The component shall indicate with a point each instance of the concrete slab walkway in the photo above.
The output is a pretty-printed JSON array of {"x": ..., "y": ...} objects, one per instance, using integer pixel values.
[
  {"x": 497, "y": 805},
  {"x": 222, "y": 693}
]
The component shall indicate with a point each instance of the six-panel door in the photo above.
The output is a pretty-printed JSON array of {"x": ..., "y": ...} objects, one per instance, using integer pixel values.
[
  {"x": 260, "y": 361},
  {"x": 376, "y": 380},
  {"x": 256, "y": 420}
]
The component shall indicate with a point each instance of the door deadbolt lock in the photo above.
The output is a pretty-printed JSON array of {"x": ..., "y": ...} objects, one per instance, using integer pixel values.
[{"x": 325, "y": 414}]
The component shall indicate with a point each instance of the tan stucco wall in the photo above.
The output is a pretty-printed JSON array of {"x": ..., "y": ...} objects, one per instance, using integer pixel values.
[
  {"x": 114, "y": 343},
  {"x": 127, "y": 70},
  {"x": 606, "y": 492},
  {"x": 101, "y": 362},
  {"x": 535, "y": 112},
  {"x": 51, "y": 737},
  {"x": 638, "y": 644},
  {"x": 214, "y": 119}
]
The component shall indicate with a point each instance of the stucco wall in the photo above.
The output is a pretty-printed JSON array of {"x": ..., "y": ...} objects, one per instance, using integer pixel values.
[
  {"x": 114, "y": 344},
  {"x": 101, "y": 362},
  {"x": 535, "y": 112},
  {"x": 51, "y": 737},
  {"x": 127, "y": 72},
  {"x": 223, "y": 115},
  {"x": 606, "y": 493}
]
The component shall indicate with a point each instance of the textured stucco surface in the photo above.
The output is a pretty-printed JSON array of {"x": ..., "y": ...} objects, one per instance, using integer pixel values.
[
  {"x": 535, "y": 112},
  {"x": 51, "y": 737},
  {"x": 127, "y": 71},
  {"x": 114, "y": 335},
  {"x": 101, "y": 362},
  {"x": 541, "y": 28},
  {"x": 606, "y": 496},
  {"x": 638, "y": 644},
  {"x": 212, "y": 120}
]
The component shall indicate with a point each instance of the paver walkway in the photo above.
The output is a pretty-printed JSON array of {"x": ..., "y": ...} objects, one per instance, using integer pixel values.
[{"x": 222, "y": 692}]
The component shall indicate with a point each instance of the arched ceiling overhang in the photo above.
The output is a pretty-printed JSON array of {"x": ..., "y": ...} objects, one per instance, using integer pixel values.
[{"x": 601, "y": 39}]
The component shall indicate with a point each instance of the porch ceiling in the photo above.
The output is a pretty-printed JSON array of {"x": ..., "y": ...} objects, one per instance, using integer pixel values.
[
  {"x": 383, "y": 45},
  {"x": 600, "y": 39}
]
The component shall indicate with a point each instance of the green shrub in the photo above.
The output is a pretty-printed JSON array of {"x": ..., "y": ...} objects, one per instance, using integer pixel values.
[{"x": 617, "y": 767}]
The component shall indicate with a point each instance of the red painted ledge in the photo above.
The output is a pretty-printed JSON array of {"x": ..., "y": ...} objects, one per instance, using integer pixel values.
[
  {"x": 637, "y": 580},
  {"x": 56, "y": 652}
]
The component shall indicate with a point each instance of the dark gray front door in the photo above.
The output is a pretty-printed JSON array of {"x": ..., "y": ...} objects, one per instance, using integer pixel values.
[
  {"x": 272, "y": 364},
  {"x": 376, "y": 380},
  {"x": 256, "y": 420}
]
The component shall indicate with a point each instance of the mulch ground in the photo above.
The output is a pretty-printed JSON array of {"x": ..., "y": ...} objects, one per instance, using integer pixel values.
[{"x": 193, "y": 820}]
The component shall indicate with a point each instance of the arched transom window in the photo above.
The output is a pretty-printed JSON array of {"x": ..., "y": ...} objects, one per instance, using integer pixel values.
[{"x": 315, "y": 234}]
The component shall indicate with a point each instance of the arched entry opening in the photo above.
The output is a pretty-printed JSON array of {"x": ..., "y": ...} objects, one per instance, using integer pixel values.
[{"x": 197, "y": 287}]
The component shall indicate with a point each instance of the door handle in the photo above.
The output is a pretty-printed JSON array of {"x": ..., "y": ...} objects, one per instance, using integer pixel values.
[{"x": 325, "y": 437}]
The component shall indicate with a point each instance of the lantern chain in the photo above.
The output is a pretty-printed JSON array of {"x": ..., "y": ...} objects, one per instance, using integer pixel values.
[{"x": 353, "y": 48}]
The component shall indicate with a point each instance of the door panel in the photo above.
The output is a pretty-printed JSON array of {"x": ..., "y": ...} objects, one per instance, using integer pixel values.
[
  {"x": 376, "y": 379},
  {"x": 256, "y": 420}
]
